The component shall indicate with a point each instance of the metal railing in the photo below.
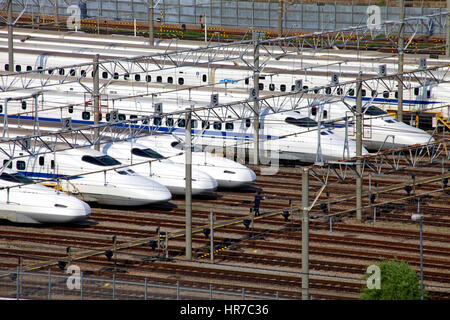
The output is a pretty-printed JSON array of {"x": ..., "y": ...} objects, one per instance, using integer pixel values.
[{"x": 77, "y": 286}]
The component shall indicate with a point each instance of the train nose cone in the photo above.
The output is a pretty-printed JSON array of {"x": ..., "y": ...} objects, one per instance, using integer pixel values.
[{"x": 203, "y": 182}]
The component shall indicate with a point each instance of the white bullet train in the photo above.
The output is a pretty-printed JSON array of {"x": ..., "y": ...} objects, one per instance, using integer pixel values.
[
  {"x": 228, "y": 173},
  {"x": 170, "y": 174},
  {"x": 380, "y": 130},
  {"x": 119, "y": 186},
  {"x": 279, "y": 75},
  {"x": 417, "y": 98},
  {"x": 282, "y": 136},
  {"x": 33, "y": 203}
]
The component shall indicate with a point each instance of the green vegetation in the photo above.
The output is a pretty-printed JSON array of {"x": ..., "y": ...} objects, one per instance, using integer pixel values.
[{"x": 398, "y": 282}]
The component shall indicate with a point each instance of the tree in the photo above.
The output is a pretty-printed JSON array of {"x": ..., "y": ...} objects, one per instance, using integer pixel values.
[{"x": 398, "y": 282}]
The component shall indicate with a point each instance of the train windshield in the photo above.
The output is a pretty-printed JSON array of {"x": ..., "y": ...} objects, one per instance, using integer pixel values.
[
  {"x": 372, "y": 111},
  {"x": 15, "y": 177},
  {"x": 301, "y": 122},
  {"x": 147, "y": 153},
  {"x": 103, "y": 161},
  {"x": 180, "y": 146}
]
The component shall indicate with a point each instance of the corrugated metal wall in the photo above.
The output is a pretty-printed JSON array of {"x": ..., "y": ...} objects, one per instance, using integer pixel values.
[{"x": 261, "y": 14}]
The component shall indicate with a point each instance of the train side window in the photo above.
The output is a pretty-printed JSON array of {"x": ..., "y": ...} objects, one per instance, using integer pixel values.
[
  {"x": 116, "y": 76},
  {"x": 271, "y": 87},
  {"x": 148, "y": 78},
  {"x": 204, "y": 78},
  {"x": 40, "y": 68},
  {"x": 261, "y": 86},
  {"x": 248, "y": 122},
  {"x": 41, "y": 161},
  {"x": 328, "y": 90},
  {"x": 339, "y": 91},
  {"x": 72, "y": 72},
  {"x": 229, "y": 126},
  {"x": 325, "y": 114},
  {"x": 83, "y": 73},
  {"x": 122, "y": 117},
  {"x": 85, "y": 115},
  {"x": 247, "y": 81},
  {"x": 305, "y": 87},
  {"x": 6, "y": 161},
  {"x": 283, "y": 87},
  {"x": 313, "y": 111},
  {"x": 386, "y": 94},
  {"x": 24, "y": 105},
  {"x": 158, "y": 79},
  {"x": 126, "y": 76},
  {"x": 316, "y": 90},
  {"x": 169, "y": 80},
  {"x": 169, "y": 122},
  {"x": 180, "y": 81},
  {"x": 70, "y": 109},
  {"x": 351, "y": 92},
  {"x": 52, "y": 164},
  {"x": 157, "y": 121},
  {"x": 363, "y": 92},
  {"x": 7, "y": 67},
  {"x": 205, "y": 124},
  {"x": 50, "y": 71},
  {"x": 18, "y": 68},
  {"x": 293, "y": 87},
  {"x": 428, "y": 94},
  {"x": 133, "y": 116},
  {"x": 105, "y": 75},
  {"x": 61, "y": 72},
  {"x": 20, "y": 165},
  {"x": 29, "y": 68},
  {"x": 374, "y": 93},
  {"x": 217, "y": 125},
  {"x": 1, "y": 108},
  {"x": 137, "y": 77},
  {"x": 181, "y": 123},
  {"x": 194, "y": 123},
  {"x": 416, "y": 91},
  {"x": 396, "y": 94}
]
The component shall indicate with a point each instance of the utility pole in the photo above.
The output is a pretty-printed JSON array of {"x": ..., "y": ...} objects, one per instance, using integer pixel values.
[
  {"x": 305, "y": 234},
  {"x": 255, "y": 36},
  {"x": 188, "y": 176},
  {"x": 10, "y": 36},
  {"x": 359, "y": 148},
  {"x": 151, "y": 36},
  {"x": 401, "y": 44},
  {"x": 96, "y": 94}
]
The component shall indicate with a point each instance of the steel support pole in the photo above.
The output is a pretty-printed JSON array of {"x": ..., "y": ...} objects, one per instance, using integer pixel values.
[
  {"x": 421, "y": 260},
  {"x": 256, "y": 103},
  {"x": 401, "y": 44},
  {"x": 447, "y": 31},
  {"x": 305, "y": 234},
  {"x": 56, "y": 14},
  {"x": 151, "y": 36},
  {"x": 211, "y": 244},
  {"x": 359, "y": 148},
  {"x": 280, "y": 17},
  {"x": 10, "y": 36},
  {"x": 96, "y": 93},
  {"x": 188, "y": 163}
]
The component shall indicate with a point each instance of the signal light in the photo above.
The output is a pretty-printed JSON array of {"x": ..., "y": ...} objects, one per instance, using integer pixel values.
[
  {"x": 246, "y": 223},
  {"x": 286, "y": 215}
]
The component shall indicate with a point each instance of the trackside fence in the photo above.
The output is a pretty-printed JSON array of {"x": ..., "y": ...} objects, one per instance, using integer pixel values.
[{"x": 54, "y": 286}]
